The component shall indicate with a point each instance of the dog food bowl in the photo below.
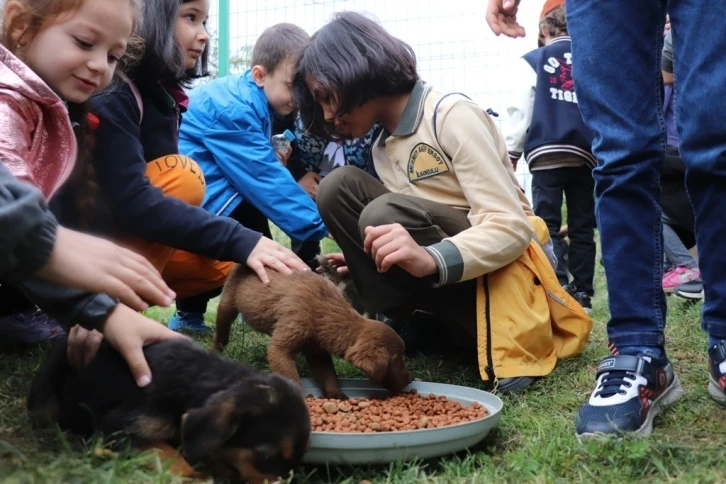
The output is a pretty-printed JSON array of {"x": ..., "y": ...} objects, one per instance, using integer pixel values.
[{"x": 384, "y": 447}]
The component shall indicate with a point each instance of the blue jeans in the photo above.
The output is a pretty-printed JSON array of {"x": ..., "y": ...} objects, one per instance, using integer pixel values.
[{"x": 616, "y": 48}]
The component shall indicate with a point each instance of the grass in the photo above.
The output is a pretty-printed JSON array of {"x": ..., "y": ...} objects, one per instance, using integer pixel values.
[{"x": 534, "y": 443}]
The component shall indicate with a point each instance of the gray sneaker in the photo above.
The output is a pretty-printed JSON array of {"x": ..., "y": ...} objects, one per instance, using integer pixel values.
[{"x": 690, "y": 290}]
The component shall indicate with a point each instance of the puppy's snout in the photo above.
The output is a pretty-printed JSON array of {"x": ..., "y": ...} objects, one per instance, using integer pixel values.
[{"x": 397, "y": 377}]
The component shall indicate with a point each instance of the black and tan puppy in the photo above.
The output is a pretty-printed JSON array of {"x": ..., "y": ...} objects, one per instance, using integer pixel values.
[
  {"x": 238, "y": 423},
  {"x": 306, "y": 313}
]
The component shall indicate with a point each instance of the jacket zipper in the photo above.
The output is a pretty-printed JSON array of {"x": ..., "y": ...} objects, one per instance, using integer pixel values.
[{"x": 489, "y": 369}]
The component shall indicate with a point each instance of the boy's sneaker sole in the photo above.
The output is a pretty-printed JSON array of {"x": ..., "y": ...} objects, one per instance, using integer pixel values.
[
  {"x": 695, "y": 296},
  {"x": 672, "y": 394}
]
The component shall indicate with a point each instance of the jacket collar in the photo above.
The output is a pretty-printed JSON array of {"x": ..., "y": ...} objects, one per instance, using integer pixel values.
[{"x": 412, "y": 113}]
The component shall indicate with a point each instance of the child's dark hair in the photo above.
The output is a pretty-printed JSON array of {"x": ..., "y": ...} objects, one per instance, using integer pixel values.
[
  {"x": 354, "y": 60},
  {"x": 555, "y": 22},
  {"x": 163, "y": 59},
  {"x": 277, "y": 44}
]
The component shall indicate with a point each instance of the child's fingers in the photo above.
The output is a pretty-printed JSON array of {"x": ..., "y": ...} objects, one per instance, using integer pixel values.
[
  {"x": 385, "y": 251},
  {"x": 259, "y": 269},
  {"x": 147, "y": 281},
  {"x": 381, "y": 242},
  {"x": 133, "y": 353},
  {"x": 117, "y": 287},
  {"x": 93, "y": 342},
  {"x": 372, "y": 233},
  {"x": 336, "y": 258},
  {"x": 76, "y": 342}
]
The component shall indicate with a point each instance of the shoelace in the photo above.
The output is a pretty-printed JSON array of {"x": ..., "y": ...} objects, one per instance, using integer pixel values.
[{"x": 612, "y": 383}]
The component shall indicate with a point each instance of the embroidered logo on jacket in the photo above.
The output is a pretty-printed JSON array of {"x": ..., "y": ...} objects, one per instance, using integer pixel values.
[{"x": 425, "y": 162}]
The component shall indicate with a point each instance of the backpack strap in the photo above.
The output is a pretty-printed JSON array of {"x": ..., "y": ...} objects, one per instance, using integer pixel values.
[
  {"x": 136, "y": 93},
  {"x": 436, "y": 109}
]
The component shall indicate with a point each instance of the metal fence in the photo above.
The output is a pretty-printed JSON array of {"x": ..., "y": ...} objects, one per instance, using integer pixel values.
[{"x": 455, "y": 49}]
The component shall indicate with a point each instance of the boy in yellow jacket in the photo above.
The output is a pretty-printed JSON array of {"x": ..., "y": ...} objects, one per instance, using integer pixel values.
[{"x": 447, "y": 231}]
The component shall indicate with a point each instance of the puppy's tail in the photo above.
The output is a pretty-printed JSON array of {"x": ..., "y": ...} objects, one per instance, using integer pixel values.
[{"x": 43, "y": 400}]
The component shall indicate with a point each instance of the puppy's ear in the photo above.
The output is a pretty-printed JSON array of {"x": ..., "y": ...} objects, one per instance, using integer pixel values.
[
  {"x": 372, "y": 360},
  {"x": 206, "y": 429}
]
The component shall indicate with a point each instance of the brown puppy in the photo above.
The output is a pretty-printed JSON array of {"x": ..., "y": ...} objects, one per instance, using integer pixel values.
[{"x": 306, "y": 313}]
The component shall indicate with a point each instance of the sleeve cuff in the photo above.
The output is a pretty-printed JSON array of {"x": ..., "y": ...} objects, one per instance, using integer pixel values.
[
  {"x": 94, "y": 313},
  {"x": 449, "y": 262},
  {"x": 515, "y": 155},
  {"x": 35, "y": 255}
]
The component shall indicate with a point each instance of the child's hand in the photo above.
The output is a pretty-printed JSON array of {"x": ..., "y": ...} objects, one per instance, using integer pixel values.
[
  {"x": 337, "y": 260},
  {"x": 97, "y": 265},
  {"x": 502, "y": 18},
  {"x": 128, "y": 332},
  {"x": 268, "y": 253},
  {"x": 310, "y": 183},
  {"x": 284, "y": 157},
  {"x": 391, "y": 245}
]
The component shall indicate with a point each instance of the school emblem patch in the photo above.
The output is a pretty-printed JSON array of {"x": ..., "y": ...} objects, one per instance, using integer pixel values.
[{"x": 425, "y": 162}]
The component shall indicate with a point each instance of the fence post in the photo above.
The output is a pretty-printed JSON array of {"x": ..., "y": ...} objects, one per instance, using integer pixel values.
[{"x": 223, "y": 38}]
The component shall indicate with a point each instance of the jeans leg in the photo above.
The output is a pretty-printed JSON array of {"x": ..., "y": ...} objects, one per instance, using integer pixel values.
[
  {"x": 699, "y": 81},
  {"x": 547, "y": 189},
  {"x": 675, "y": 250},
  {"x": 580, "y": 198},
  {"x": 616, "y": 48}
]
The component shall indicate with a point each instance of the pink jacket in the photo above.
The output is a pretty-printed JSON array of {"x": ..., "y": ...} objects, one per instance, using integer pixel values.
[{"x": 37, "y": 143}]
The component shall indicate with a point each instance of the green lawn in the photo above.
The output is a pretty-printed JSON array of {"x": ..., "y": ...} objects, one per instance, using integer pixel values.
[{"x": 535, "y": 441}]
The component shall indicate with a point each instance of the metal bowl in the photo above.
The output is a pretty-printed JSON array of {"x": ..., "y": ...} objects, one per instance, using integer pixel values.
[{"x": 384, "y": 447}]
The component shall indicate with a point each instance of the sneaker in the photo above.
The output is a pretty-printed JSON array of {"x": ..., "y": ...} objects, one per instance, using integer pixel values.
[
  {"x": 677, "y": 276},
  {"x": 29, "y": 327},
  {"x": 582, "y": 297},
  {"x": 690, "y": 290},
  {"x": 630, "y": 392},
  {"x": 585, "y": 301},
  {"x": 717, "y": 372},
  {"x": 191, "y": 322},
  {"x": 514, "y": 385}
]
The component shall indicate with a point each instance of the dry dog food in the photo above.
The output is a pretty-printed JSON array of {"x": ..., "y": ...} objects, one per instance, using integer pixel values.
[{"x": 407, "y": 411}]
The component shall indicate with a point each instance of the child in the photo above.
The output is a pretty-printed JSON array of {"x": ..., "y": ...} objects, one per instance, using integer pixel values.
[
  {"x": 545, "y": 123},
  {"x": 321, "y": 156},
  {"x": 227, "y": 131},
  {"x": 149, "y": 194},
  {"x": 41, "y": 89},
  {"x": 58, "y": 56},
  {"x": 447, "y": 231}
]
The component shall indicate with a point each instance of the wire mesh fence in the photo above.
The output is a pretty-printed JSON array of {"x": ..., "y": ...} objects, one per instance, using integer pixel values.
[{"x": 456, "y": 51}]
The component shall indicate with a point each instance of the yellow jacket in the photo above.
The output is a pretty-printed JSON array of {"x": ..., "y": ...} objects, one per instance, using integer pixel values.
[{"x": 447, "y": 149}]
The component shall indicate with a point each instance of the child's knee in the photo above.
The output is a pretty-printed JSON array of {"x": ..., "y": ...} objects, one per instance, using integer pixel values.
[
  {"x": 386, "y": 209},
  {"x": 178, "y": 176}
]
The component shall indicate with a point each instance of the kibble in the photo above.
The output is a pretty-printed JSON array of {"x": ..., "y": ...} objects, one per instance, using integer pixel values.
[{"x": 406, "y": 411}]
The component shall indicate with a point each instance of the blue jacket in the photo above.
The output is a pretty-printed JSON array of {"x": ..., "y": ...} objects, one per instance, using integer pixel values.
[{"x": 227, "y": 132}]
